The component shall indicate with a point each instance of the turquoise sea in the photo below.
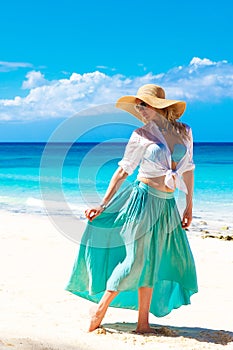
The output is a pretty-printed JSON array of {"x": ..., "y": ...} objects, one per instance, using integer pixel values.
[{"x": 35, "y": 174}]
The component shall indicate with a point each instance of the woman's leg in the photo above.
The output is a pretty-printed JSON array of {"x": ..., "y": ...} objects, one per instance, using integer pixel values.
[
  {"x": 144, "y": 300},
  {"x": 101, "y": 309}
]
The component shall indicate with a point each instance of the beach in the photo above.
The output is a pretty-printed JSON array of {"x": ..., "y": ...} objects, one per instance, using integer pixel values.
[
  {"x": 36, "y": 258},
  {"x": 37, "y": 313}
]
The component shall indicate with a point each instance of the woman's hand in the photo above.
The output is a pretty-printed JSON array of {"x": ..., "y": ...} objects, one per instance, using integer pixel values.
[
  {"x": 91, "y": 214},
  {"x": 187, "y": 217},
  {"x": 188, "y": 177}
]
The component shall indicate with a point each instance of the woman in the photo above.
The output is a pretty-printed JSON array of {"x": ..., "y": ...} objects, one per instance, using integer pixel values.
[{"x": 134, "y": 252}]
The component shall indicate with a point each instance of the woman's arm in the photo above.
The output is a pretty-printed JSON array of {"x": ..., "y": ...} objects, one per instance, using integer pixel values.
[
  {"x": 188, "y": 177},
  {"x": 117, "y": 179}
]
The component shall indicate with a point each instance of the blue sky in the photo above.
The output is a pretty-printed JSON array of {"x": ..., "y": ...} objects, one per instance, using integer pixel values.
[{"x": 57, "y": 58}]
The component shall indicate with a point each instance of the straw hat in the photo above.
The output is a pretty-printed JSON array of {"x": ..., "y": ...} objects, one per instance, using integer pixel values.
[{"x": 154, "y": 96}]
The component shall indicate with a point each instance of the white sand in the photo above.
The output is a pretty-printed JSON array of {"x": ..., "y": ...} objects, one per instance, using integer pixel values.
[{"x": 37, "y": 313}]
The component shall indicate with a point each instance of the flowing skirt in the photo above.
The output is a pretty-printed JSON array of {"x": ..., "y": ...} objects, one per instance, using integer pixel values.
[{"x": 138, "y": 241}]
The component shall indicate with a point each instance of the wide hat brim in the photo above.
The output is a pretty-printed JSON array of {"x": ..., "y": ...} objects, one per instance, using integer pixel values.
[{"x": 127, "y": 104}]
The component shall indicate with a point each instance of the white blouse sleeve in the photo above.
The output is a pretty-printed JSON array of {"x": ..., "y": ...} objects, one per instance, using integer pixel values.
[
  {"x": 191, "y": 164},
  {"x": 133, "y": 155}
]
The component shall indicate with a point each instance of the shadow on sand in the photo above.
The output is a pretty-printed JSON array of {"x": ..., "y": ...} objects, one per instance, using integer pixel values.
[{"x": 200, "y": 334}]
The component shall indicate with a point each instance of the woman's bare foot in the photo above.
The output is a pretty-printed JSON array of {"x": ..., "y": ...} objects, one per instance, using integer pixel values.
[
  {"x": 97, "y": 316},
  {"x": 147, "y": 329}
]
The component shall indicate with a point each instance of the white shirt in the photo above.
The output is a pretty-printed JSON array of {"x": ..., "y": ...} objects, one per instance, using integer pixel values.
[{"x": 148, "y": 148}]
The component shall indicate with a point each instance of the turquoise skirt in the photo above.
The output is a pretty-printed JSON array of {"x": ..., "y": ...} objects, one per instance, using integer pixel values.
[{"x": 138, "y": 241}]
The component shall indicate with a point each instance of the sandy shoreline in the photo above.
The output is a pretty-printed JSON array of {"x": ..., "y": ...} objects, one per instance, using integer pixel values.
[{"x": 37, "y": 313}]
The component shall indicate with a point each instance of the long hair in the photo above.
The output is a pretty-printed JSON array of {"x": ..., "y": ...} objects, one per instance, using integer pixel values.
[{"x": 170, "y": 121}]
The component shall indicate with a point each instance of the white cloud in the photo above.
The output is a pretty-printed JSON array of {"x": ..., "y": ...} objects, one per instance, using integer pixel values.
[
  {"x": 196, "y": 61},
  {"x": 34, "y": 79},
  {"x": 200, "y": 80},
  {"x": 6, "y": 66},
  {"x": 141, "y": 65},
  {"x": 106, "y": 68}
]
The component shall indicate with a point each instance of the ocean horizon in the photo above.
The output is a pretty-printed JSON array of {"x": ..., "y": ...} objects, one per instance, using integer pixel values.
[{"x": 32, "y": 173}]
